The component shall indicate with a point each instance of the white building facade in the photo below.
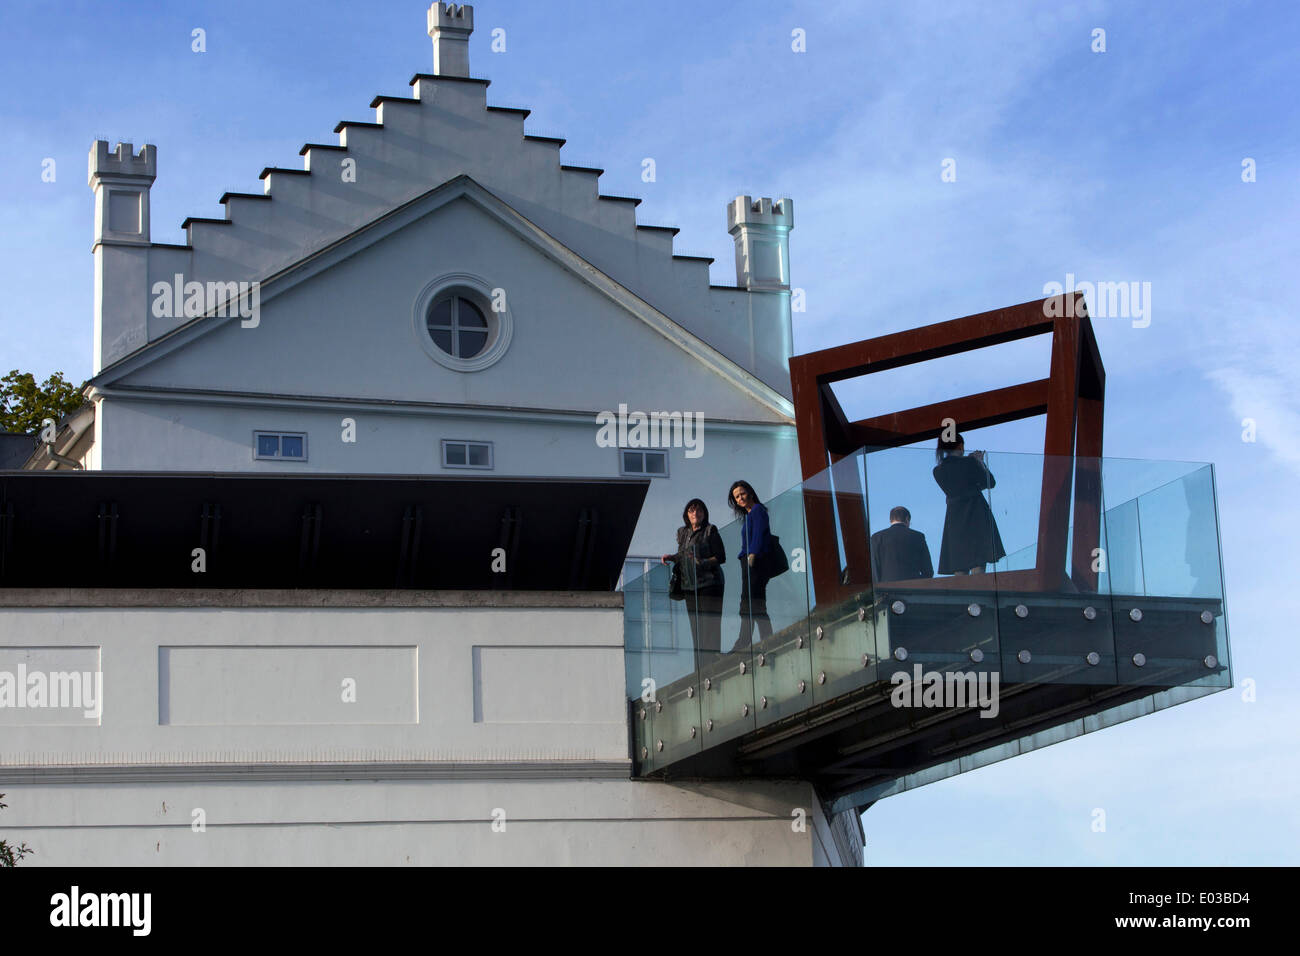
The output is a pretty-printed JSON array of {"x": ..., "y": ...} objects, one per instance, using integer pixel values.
[
  {"x": 438, "y": 276},
  {"x": 435, "y": 293}
]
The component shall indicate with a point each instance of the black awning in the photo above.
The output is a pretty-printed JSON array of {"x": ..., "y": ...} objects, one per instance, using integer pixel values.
[{"x": 121, "y": 529}]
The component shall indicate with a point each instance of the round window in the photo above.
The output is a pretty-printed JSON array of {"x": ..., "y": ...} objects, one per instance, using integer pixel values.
[
  {"x": 461, "y": 322},
  {"x": 458, "y": 327}
]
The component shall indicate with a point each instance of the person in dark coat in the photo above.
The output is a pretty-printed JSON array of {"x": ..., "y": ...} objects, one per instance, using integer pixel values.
[
  {"x": 970, "y": 535},
  {"x": 755, "y": 548},
  {"x": 898, "y": 553},
  {"x": 700, "y": 557}
]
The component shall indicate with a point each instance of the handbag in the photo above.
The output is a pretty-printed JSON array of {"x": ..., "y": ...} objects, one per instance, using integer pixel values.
[
  {"x": 775, "y": 562},
  {"x": 675, "y": 591}
]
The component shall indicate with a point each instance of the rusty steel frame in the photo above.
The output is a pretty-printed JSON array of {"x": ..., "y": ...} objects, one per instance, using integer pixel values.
[{"x": 1072, "y": 398}]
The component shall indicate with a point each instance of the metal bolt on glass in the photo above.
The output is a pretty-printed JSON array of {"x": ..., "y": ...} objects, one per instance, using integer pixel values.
[
  {"x": 690, "y": 692},
  {"x": 1090, "y": 613},
  {"x": 820, "y": 632},
  {"x": 1022, "y": 611},
  {"x": 898, "y": 607},
  {"x": 643, "y": 713},
  {"x": 1093, "y": 658},
  {"x": 821, "y": 678},
  {"x": 803, "y": 685},
  {"x": 659, "y": 745},
  {"x": 709, "y": 725},
  {"x": 659, "y": 707},
  {"x": 798, "y": 641},
  {"x": 1135, "y": 614},
  {"x": 973, "y": 610},
  {"x": 976, "y": 655},
  {"x": 900, "y": 653},
  {"x": 762, "y": 660},
  {"x": 866, "y": 660},
  {"x": 862, "y": 614},
  {"x": 708, "y": 683},
  {"x": 763, "y": 702},
  {"x": 1211, "y": 661},
  {"x": 1140, "y": 659},
  {"x": 694, "y": 731},
  {"x": 744, "y": 710},
  {"x": 1024, "y": 657},
  {"x": 1207, "y": 617},
  {"x": 742, "y": 667}
]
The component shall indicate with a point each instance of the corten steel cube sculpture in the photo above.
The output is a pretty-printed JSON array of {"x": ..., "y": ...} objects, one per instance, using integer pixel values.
[{"x": 1072, "y": 397}]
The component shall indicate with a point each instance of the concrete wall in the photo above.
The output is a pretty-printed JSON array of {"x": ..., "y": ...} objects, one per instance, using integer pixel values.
[{"x": 470, "y": 709}]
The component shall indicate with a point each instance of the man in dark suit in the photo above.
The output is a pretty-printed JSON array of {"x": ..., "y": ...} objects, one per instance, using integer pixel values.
[{"x": 898, "y": 553}]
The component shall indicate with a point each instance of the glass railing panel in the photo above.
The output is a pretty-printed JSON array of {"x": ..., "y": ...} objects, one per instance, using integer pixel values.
[
  {"x": 670, "y": 699},
  {"x": 930, "y": 625},
  {"x": 1177, "y": 631},
  {"x": 1121, "y": 563},
  {"x": 636, "y": 667},
  {"x": 1180, "y": 541},
  {"x": 781, "y": 662},
  {"x": 1169, "y": 617},
  {"x": 841, "y": 632},
  {"x": 1053, "y": 605}
]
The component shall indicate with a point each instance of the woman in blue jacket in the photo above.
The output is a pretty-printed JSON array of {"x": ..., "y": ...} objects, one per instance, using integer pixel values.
[{"x": 755, "y": 548}]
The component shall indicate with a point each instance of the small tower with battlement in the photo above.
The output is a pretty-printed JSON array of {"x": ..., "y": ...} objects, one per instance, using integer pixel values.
[
  {"x": 450, "y": 25},
  {"x": 761, "y": 230},
  {"x": 120, "y": 179}
]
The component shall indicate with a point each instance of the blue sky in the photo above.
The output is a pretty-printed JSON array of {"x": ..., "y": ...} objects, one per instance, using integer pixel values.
[{"x": 1117, "y": 166}]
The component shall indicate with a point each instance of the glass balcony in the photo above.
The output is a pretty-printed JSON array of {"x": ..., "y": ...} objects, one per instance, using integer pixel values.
[{"x": 1066, "y": 594}]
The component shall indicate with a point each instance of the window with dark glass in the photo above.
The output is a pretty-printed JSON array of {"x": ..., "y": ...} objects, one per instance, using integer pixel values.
[
  {"x": 653, "y": 464},
  {"x": 467, "y": 454},
  {"x": 458, "y": 327},
  {"x": 281, "y": 446}
]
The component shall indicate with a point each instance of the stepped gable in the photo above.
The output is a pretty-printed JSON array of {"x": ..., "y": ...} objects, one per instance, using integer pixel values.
[{"x": 416, "y": 143}]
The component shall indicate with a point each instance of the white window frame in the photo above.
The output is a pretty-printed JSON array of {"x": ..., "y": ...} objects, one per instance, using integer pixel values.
[
  {"x": 482, "y": 293},
  {"x": 492, "y": 461},
  {"x": 622, "y": 470},
  {"x": 258, "y": 433}
]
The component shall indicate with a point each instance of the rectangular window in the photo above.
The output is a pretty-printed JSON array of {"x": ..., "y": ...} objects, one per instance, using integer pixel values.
[
  {"x": 280, "y": 446},
  {"x": 648, "y": 463},
  {"x": 467, "y": 454}
]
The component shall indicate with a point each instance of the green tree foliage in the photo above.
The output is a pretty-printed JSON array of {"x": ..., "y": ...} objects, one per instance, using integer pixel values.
[
  {"x": 12, "y": 855},
  {"x": 25, "y": 404}
]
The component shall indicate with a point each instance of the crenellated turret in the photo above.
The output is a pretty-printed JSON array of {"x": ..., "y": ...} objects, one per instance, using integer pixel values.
[
  {"x": 450, "y": 25},
  {"x": 120, "y": 179},
  {"x": 761, "y": 230}
]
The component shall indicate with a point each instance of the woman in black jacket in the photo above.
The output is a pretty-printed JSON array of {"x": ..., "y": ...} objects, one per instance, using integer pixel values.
[
  {"x": 699, "y": 558},
  {"x": 970, "y": 535}
]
